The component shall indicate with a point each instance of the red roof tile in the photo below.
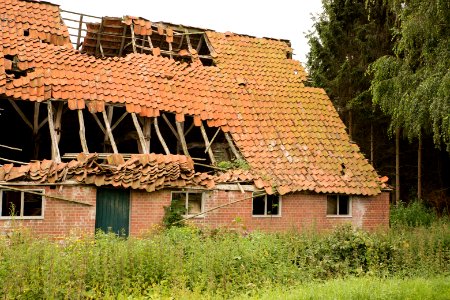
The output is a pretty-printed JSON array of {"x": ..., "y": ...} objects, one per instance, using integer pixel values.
[{"x": 290, "y": 134}]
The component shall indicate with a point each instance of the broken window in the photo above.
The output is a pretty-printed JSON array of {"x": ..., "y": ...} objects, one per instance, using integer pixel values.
[
  {"x": 266, "y": 205},
  {"x": 338, "y": 205},
  {"x": 192, "y": 202},
  {"x": 21, "y": 204}
]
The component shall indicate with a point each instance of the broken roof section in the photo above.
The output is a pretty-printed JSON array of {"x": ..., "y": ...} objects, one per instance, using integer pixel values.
[
  {"x": 117, "y": 37},
  {"x": 290, "y": 134}
]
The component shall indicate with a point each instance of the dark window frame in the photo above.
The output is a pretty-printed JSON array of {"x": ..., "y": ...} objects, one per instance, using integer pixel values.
[
  {"x": 339, "y": 199},
  {"x": 21, "y": 215},
  {"x": 186, "y": 202},
  {"x": 266, "y": 211}
]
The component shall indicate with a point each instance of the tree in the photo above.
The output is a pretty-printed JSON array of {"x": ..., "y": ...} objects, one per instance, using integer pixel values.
[
  {"x": 413, "y": 84},
  {"x": 347, "y": 37}
]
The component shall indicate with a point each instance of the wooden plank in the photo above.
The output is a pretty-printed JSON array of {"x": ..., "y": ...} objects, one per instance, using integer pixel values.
[
  {"x": 212, "y": 140},
  {"x": 99, "y": 34},
  {"x": 57, "y": 123},
  {"x": 21, "y": 114},
  {"x": 55, "y": 150},
  {"x": 122, "y": 43},
  {"x": 82, "y": 132},
  {"x": 189, "y": 129},
  {"x": 205, "y": 138},
  {"x": 147, "y": 132},
  {"x": 182, "y": 139},
  {"x": 11, "y": 148},
  {"x": 232, "y": 146},
  {"x": 133, "y": 38},
  {"x": 80, "y": 26},
  {"x": 110, "y": 135},
  {"x": 150, "y": 42},
  {"x": 200, "y": 43},
  {"x": 119, "y": 120},
  {"x": 36, "y": 118},
  {"x": 170, "y": 126},
  {"x": 140, "y": 134},
  {"x": 42, "y": 123},
  {"x": 102, "y": 128},
  {"x": 160, "y": 137},
  {"x": 13, "y": 161}
]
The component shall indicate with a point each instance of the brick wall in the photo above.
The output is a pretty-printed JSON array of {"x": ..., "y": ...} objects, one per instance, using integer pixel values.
[
  {"x": 147, "y": 210},
  {"x": 298, "y": 211},
  {"x": 61, "y": 218}
]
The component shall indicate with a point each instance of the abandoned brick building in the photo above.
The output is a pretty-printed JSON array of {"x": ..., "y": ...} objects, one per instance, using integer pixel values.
[{"x": 106, "y": 132}]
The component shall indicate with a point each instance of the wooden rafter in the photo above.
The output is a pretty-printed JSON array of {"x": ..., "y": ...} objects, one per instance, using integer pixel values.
[
  {"x": 212, "y": 140},
  {"x": 119, "y": 120},
  {"x": 160, "y": 137},
  {"x": 207, "y": 144},
  {"x": 140, "y": 134},
  {"x": 82, "y": 132},
  {"x": 182, "y": 139},
  {"x": 170, "y": 126},
  {"x": 232, "y": 146},
  {"x": 147, "y": 129},
  {"x": 109, "y": 132},
  {"x": 55, "y": 149},
  {"x": 21, "y": 114}
]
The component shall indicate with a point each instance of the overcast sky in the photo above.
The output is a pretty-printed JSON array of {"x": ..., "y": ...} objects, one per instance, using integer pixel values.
[{"x": 284, "y": 19}]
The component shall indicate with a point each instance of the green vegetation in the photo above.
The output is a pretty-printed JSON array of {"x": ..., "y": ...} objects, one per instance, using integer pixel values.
[
  {"x": 235, "y": 164},
  {"x": 188, "y": 262},
  {"x": 365, "y": 288}
]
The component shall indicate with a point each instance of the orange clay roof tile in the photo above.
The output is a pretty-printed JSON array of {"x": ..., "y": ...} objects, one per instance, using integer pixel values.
[{"x": 287, "y": 132}]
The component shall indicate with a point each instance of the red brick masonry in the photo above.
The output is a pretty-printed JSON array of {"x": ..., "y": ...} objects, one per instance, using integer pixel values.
[{"x": 298, "y": 211}]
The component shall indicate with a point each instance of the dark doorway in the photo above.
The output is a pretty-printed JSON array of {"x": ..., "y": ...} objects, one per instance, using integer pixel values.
[{"x": 113, "y": 211}]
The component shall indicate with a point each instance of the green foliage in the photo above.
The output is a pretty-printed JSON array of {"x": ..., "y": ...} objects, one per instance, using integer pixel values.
[
  {"x": 347, "y": 37},
  {"x": 235, "y": 164},
  {"x": 173, "y": 214},
  {"x": 413, "y": 86},
  {"x": 414, "y": 214},
  {"x": 184, "y": 262},
  {"x": 364, "y": 288}
]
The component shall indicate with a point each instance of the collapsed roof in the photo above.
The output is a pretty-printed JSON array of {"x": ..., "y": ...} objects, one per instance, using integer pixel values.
[{"x": 290, "y": 134}]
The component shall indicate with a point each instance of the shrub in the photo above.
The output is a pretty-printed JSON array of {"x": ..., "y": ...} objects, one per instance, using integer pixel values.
[{"x": 414, "y": 214}]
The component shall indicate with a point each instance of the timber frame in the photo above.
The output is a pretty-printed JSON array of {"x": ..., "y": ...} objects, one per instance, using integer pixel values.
[{"x": 111, "y": 131}]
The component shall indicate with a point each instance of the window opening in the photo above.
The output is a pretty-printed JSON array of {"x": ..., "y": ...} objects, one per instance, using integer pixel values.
[
  {"x": 339, "y": 205},
  {"x": 266, "y": 205},
  {"x": 190, "y": 202},
  {"x": 21, "y": 204}
]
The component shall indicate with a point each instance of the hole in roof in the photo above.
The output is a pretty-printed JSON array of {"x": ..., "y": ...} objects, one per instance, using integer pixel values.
[
  {"x": 26, "y": 32},
  {"x": 295, "y": 72},
  {"x": 289, "y": 55},
  {"x": 112, "y": 37}
]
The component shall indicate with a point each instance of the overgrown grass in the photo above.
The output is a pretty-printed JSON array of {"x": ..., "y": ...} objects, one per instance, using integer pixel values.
[
  {"x": 364, "y": 288},
  {"x": 187, "y": 261},
  {"x": 412, "y": 215}
]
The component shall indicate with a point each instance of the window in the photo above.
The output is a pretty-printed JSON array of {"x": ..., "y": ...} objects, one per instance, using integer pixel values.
[
  {"x": 338, "y": 205},
  {"x": 192, "y": 202},
  {"x": 21, "y": 204},
  {"x": 266, "y": 205}
]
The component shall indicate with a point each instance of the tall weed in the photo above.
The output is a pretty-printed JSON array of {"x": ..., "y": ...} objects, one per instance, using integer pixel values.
[{"x": 186, "y": 260}]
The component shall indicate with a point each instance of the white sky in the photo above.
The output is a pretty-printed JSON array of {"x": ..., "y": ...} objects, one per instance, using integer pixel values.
[{"x": 283, "y": 19}]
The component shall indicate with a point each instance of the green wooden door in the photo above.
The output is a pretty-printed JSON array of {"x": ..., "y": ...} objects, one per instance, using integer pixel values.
[{"x": 113, "y": 211}]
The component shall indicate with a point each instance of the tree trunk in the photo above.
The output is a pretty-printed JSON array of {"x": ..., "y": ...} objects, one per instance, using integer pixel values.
[
  {"x": 419, "y": 169},
  {"x": 371, "y": 143},
  {"x": 350, "y": 124},
  {"x": 397, "y": 166}
]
